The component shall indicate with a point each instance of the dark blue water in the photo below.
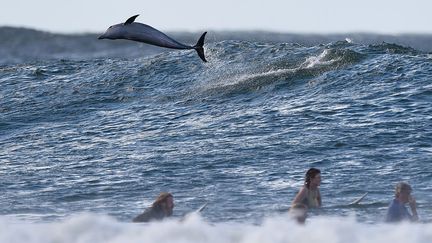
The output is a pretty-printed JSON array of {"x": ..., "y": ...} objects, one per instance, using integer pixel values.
[{"x": 106, "y": 135}]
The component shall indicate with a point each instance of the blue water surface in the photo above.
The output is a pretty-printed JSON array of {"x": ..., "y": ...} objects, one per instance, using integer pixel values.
[{"x": 106, "y": 135}]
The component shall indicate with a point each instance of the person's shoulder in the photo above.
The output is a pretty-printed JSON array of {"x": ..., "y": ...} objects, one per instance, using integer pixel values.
[
  {"x": 304, "y": 188},
  {"x": 395, "y": 204},
  {"x": 146, "y": 216}
]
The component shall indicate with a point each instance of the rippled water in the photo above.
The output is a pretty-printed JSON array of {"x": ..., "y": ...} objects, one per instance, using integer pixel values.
[{"x": 107, "y": 135}]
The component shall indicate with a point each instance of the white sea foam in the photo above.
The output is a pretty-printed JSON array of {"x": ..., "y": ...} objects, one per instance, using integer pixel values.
[
  {"x": 96, "y": 228},
  {"x": 314, "y": 61},
  {"x": 349, "y": 40}
]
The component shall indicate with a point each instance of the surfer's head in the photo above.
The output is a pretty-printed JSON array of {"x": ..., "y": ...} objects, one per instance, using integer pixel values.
[
  {"x": 165, "y": 201},
  {"x": 403, "y": 191},
  {"x": 313, "y": 177}
]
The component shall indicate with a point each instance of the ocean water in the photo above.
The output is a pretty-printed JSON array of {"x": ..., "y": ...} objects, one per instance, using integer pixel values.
[{"x": 89, "y": 137}]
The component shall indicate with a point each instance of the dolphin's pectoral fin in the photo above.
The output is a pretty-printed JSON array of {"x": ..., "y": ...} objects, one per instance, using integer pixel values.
[{"x": 131, "y": 19}]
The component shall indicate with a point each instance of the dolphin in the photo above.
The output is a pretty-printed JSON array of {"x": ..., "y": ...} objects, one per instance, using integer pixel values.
[{"x": 134, "y": 31}]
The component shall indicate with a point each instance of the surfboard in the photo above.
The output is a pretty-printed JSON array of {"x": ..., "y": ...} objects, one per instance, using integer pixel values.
[
  {"x": 201, "y": 208},
  {"x": 358, "y": 200}
]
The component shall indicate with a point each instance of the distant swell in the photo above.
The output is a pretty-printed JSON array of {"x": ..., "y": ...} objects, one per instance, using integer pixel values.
[
  {"x": 248, "y": 67},
  {"x": 18, "y": 45}
]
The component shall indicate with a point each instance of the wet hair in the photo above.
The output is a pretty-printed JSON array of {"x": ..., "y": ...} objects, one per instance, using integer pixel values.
[
  {"x": 402, "y": 187},
  {"x": 163, "y": 196},
  {"x": 310, "y": 174}
]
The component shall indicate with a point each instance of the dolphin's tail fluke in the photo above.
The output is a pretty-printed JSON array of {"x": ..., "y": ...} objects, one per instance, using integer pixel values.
[{"x": 199, "y": 47}]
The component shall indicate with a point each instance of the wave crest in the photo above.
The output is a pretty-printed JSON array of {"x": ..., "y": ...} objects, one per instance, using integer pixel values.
[{"x": 96, "y": 228}]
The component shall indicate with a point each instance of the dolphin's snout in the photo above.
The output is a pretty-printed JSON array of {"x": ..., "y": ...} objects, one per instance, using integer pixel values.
[{"x": 101, "y": 37}]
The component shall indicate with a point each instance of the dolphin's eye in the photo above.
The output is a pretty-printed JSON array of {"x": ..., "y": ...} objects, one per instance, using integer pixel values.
[{"x": 110, "y": 27}]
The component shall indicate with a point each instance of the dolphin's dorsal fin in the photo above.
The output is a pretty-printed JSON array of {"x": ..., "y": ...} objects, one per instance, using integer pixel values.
[{"x": 131, "y": 19}]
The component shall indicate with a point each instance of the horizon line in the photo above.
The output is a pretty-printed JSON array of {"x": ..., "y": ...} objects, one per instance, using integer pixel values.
[{"x": 240, "y": 30}]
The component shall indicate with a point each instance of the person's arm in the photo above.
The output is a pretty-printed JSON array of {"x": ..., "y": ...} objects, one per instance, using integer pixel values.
[
  {"x": 319, "y": 197},
  {"x": 301, "y": 195},
  {"x": 413, "y": 206}
]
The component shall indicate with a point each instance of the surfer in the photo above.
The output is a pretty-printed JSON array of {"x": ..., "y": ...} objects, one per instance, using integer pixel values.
[
  {"x": 161, "y": 208},
  {"x": 397, "y": 211},
  {"x": 309, "y": 195}
]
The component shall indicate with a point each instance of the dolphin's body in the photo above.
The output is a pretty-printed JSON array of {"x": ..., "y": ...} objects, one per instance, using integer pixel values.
[{"x": 130, "y": 30}]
